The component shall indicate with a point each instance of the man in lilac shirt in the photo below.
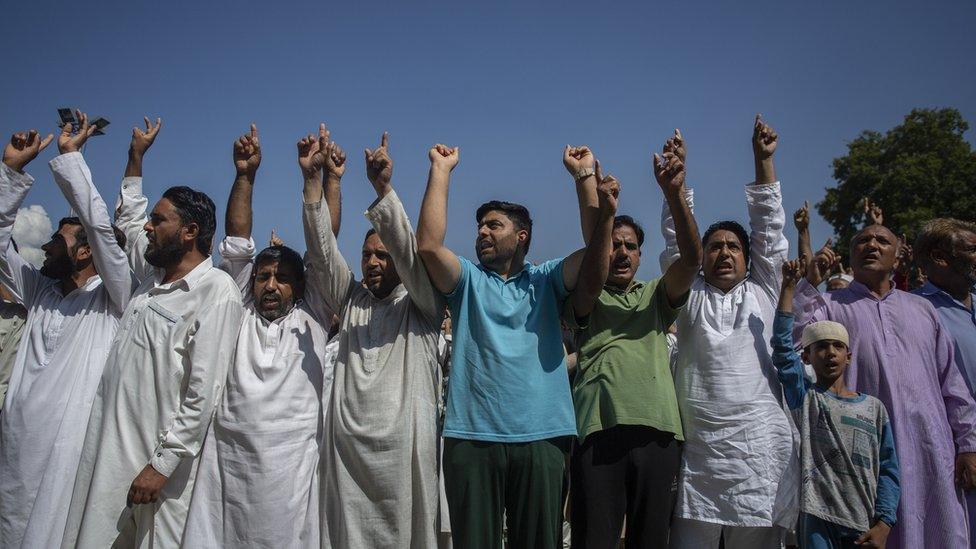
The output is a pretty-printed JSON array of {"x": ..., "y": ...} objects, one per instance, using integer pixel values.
[
  {"x": 946, "y": 251},
  {"x": 904, "y": 356}
]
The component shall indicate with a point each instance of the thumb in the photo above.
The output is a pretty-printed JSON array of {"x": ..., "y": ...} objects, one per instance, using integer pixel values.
[
  {"x": 597, "y": 170},
  {"x": 47, "y": 141}
]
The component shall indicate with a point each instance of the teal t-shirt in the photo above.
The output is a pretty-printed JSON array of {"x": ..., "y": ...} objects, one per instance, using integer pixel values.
[{"x": 508, "y": 378}]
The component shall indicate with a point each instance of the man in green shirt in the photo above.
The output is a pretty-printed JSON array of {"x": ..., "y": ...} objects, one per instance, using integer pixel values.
[{"x": 628, "y": 454}]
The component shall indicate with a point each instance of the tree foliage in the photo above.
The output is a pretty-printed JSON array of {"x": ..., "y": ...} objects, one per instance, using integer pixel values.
[{"x": 921, "y": 169}]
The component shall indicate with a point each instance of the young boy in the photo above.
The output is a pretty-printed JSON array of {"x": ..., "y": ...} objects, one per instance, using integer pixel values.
[{"x": 849, "y": 470}]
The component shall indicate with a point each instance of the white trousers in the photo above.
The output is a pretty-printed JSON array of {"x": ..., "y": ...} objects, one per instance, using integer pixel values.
[{"x": 696, "y": 534}]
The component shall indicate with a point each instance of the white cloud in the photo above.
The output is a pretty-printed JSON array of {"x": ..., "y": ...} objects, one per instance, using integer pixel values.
[{"x": 32, "y": 229}]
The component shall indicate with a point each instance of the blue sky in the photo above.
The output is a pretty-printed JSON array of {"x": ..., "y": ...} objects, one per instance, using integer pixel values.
[{"x": 509, "y": 82}]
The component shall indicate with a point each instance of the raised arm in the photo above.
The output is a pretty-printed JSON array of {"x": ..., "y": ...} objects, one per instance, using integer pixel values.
[
  {"x": 768, "y": 244},
  {"x": 19, "y": 276},
  {"x": 443, "y": 266},
  {"x": 671, "y": 252},
  {"x": 334, "y": 169},
  {"x": 327, "y": 270},
  {"x": 580, "y": 163},
  {"x": 130, "y": 209},
  {"x": 247, "y": 159},
  {"x": 75, "y": 180},
  {"x": 595, "y": 266},
  {"x": 669, "y": 171},
  {"x": 801, "y": 220},
  {"x": 393, "y": 227}
]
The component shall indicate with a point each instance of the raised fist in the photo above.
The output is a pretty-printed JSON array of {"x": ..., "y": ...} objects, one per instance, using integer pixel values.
[
  {"x": 23, "y": 148},
  {"x": 72, "y": 143},
  {"x": 442, "y": 156},
  {"x": 247, "y": 153},
  {"x": 577, "y": 159},
  {"x": 764, "y": 139}
]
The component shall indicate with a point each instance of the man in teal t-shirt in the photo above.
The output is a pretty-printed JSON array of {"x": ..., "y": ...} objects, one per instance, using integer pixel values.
[
  {"x": 509, "y": 420},
  {"x": 626, "y": 409}
]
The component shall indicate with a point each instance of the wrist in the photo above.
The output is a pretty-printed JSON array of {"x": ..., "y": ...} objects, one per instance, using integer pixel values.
[
  {"x": 15, "y": 166},
  {"x": 136, "y": 154},
  {"x": 332, "y": 177},
  {"x": 440, "y": 169}
]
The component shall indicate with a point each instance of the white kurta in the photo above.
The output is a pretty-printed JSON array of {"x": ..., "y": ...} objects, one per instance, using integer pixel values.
[
  {"x": 258, "y": 481},
  {"x": 380, "y": 482},
  {"x": 163, "y": 379},
  {"x": 739, "y": 463},
  {"x": 13, "y": 316},
  {"x": 59, "y": 364}
]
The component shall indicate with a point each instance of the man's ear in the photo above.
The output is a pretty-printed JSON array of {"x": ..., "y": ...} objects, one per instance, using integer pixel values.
[
  {"x": 83, "y": 253},
  {"x": 805, "y": 355},
  {"x": 189, "y": 232},
  {"x": 939, "y": 257},
  {"x": 522, "y": 235}
]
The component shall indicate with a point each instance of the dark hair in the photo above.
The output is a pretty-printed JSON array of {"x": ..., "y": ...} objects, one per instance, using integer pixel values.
[
  {"x": 195, "y": 207},
  {"x": 732, "y": 227},
  {"x": 627, "y": 221},
  {"x": 369, "y": 233},
  {"x": 82, "y": 237},
  {"x": 516, "y": 213},
  {"x": 283, "y": 255}
]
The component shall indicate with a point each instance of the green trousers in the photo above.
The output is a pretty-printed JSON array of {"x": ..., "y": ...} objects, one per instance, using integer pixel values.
[{"x": 487, "y": 481}]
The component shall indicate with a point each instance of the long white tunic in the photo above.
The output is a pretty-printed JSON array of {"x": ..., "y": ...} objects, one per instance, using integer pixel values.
[
  {"x": 13, "y": 316},
  {"x": 258, "y": 482},
  {"x": 380, "y": 482},
  {"x": 162, "y": 381},
  {"x": 739, "y": 463},
  {"x": 58, "y": 366}
]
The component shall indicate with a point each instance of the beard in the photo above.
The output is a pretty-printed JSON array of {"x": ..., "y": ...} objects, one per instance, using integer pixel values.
[
  {"x": 165, "y": 254},
  {"x": 275, "y": 309},
  {"x": 58, "y": 268}
]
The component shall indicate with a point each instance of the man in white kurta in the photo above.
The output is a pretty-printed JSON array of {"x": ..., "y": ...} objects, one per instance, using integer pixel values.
[
  {"x": 739, "y": 471},
  {"x": 162, "y": 381},
  {"x": 381, "y": 480},
  {"x": 258, "y": 482},
  {"x": 58, "y": 367}
]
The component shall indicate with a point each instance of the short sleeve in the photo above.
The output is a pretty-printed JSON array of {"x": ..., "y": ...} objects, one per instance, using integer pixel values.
[
  {"x": 553, "y": 271},
  {"x": 659, "y": 298},
  {"x": 463, "y": 280}
]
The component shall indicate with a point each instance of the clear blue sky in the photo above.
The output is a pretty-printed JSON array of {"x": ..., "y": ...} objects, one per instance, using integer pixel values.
[{"x": 509, "y": 82}]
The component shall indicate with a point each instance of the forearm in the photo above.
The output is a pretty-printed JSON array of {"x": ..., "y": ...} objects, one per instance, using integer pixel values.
[
  {"x": 239, "y": 217},
  {"x": 595, "y": 267},
  {"x": 785, "y": 304},
  {"x": 312, "y": 189},
  {"x": 765, "y": 171},
  {"x": 432, "y": 226},
  {"x": 133, "y": 166},
  {"x": 589, "y": 208},
  {"x": 333, "y": 199},
  {"x": 804, "y": 246}
]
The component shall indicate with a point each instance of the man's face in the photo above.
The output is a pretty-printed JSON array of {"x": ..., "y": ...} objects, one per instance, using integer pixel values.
[
  {"x": 874, "y": 251},
  {"x": 724, "y": 264},
  {"x": 963, "y": 261},
  {"x": 379, "y": 274},
  {"x": 276, "y": 288},
  {"x": 625, "y": 257},
  {"x": 164, "y": 231},
  {"x": 498, "y": 239},
  {"x": 61, "y": 252},
  {"x": 829, "y": 359}
]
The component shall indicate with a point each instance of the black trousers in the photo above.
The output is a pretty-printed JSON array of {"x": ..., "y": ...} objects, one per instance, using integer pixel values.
[{"x": 627, "y": 470}]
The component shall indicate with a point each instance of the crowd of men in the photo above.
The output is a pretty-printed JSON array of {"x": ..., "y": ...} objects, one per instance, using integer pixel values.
[{"x": 155, "y": 399}]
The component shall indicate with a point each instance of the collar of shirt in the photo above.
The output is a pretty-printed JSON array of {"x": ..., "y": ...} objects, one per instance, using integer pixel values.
[
  {"x": 187, "y": 282},
  {"x": 89, "y": 284},
  {"x": 526, "y": 266},
  {"x": 862, "y": 290},
  {"x": 929, "y": 289},
  {"x": 281, "y": 318},
  {"x": 632, "y": 287}
]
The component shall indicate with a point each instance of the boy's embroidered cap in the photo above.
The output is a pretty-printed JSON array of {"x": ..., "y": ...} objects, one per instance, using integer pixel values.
[{"x": 825, "y": 329}]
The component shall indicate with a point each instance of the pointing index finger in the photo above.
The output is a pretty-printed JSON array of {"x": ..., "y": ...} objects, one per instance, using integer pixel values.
[{"x": 385, "y": 140}]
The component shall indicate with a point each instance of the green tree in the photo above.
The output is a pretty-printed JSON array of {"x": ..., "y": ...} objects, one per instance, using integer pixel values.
[{"x": 921, "y": 169}]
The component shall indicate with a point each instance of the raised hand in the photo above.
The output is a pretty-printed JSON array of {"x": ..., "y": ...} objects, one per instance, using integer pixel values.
[
  {"x": 379, "y": 165},
  {"x": 143, "y": 139},
  {"x": 793, "y": 271},
  {"x": 608, "y": 193},
  {"x": 275, "y": 240},
  {"x": 823, "y": 262},
  {"x": 873, "y": 214},
  {"x": 906, "y": 255},
  {"x": 579, "y": 161},
  {"x": 676, "y": 145},
  {"x": 313, "y": 153},
  {"x": 24, "y": 147},
  {"x": 247, "y": 153},
  {"x": 669, "y": 171},
  {"x": 72, "y": 143},
  {"x": 443, "y": 157},
  {"x": 764, "y": 139},
  {"x": 335, "y": 160},
  {"x": 801, "y": 217}
]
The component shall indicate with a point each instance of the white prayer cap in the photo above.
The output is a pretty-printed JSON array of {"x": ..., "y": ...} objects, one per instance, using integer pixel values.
[{"x": 825, "y": 329}]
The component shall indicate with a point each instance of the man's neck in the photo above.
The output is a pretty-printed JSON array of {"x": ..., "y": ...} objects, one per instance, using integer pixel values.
[
  {"x": 512, "y": 268},
  {"x": 183, "y": 267},
  {"x": 836, "y": 386},
  {"x": 76, "y": 280},
  {"x": 878, "y": 285}
]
